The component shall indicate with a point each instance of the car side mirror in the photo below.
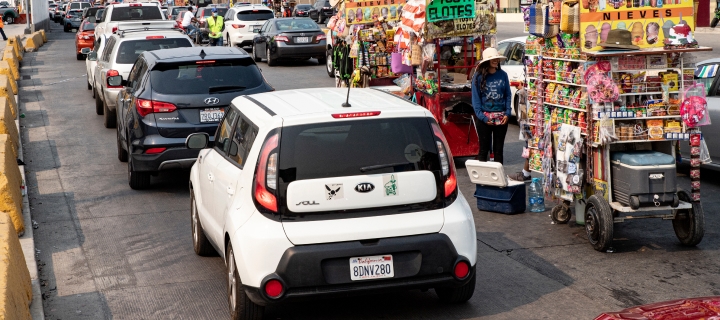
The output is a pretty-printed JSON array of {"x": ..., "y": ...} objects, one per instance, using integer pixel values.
[
  {"x": 92, "y": 56},
  {"x": 85, "y": 50},
  {"x": 197, "y": 141}
]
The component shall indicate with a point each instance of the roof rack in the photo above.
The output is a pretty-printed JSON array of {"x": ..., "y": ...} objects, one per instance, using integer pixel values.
[{"x": 122, "y": 33}]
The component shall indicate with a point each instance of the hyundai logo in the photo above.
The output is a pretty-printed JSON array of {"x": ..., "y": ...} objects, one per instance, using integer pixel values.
[
  {"x": 364, "y": 187},
  {"x": 212, "y": 100}
]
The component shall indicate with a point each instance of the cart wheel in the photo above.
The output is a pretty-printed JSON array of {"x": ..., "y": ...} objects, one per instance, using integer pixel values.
[
  {"x": 634, "y": 202},
  {"x": 560, "y": 214},
  {"x": 599, "y": 223},
  {"x": 689, "y": 224}
]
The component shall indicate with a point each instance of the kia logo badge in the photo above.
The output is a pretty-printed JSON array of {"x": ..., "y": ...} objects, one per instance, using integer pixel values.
[
  {"x": 212, "y": 100},
  {"x": 364, "y": 187}
]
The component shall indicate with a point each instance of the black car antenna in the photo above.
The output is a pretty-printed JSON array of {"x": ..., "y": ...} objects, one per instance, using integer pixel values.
[{"x": 346, "y": 104}]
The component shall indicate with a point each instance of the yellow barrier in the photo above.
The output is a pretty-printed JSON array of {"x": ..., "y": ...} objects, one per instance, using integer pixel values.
[
  {"x": 5, "y": 91},
  {"x": 10, "y": 82},
  {"x": 10, "y": 183},
  {"x": 7, "y": 124},
  {"x": 9, "y": 57},
  {"x": 14, "y": 42},
  {"x": 44, "y": 36},
  {"x": 20, "y": 45},
  {"x": 31, "y": 44},
  {"x": 15, "y": 287}
]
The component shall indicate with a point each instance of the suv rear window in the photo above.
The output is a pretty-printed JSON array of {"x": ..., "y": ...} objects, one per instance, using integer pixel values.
[
  {"x": 136, "y": 13},
  {"x": 255, "y": 15},
  {"x": 131, "y": 49},
  {"x": 350, "y": 148},
  {"x": 192, "y": 78},
  {"x": 220, "y": 11}
]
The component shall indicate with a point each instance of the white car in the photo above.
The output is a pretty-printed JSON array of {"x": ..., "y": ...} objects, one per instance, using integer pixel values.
[
  {"x": 119, "y": 55},
  {"x": 514, "y": 50},
  {"x": 131, "y": 12},
  {"x": 303, "y": 197},
  {"x": 90, "y": 66},
  {"x": 242, "y": 22}
]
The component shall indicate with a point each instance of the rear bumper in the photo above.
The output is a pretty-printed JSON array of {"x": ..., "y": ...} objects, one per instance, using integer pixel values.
[
  {"x": 420, "y": 261},
  {"x": 80, "y": 44},
  {"x": 172, "y": 158},
  {"x": 301, "y": 51},
  {"x": 73, "y": 24}
]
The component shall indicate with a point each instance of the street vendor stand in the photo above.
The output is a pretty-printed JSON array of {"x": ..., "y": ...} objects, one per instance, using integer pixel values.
[{"x": 607, "y": 124}]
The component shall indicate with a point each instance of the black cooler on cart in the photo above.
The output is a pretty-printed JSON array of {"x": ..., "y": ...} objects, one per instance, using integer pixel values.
[{"x": 642, "y": 178}]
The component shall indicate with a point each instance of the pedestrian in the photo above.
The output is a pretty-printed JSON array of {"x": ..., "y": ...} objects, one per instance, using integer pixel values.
[
  {"x": 215, "y": 25},
  {"x": 188, "y": 20},
  {"x": 491, "y": 99},
  {"x": 2, "y": 32}
]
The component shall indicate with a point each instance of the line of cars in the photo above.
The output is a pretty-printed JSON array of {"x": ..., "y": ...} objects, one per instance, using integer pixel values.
[{"x": 285, "y": 186}]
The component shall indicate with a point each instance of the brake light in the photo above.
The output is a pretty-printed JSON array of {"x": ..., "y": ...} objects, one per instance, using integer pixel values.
[
  {"x": 355, "y": 114},
  {"x": 281, "y": 38},
  {"x": 135, "y": 5},
  {"x": 154, "y": 37},
  {"x": 154, "y": 150},
  {"x": 68, "y": 16},
  {"x": 114, "y": 29},
  {"x": 205, "y": 62},
  {"x": 446, "y": 161},
  {"x": 238, "y": 26},
  {"x": 146, "y": 107},
  {"x": 321, "y": 37},
  {"x": 266, "y": 171}
]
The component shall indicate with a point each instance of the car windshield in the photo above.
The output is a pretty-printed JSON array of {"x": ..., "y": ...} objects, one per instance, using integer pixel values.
[
  {"x": 296, "y": 24},
  {"x": 338, "y": 149},
  {"x": 177, "y": 10},
  {"x": 303, "y": 7},
  {"x": 136, "y": 13},
  {"x": 88, "y": 26},
  {"x": 220, "y": 11},
  {"x": 218, "y": 77},
  {"x": 131, "y": 49},
  {"x": 255, "y": 15},
  {"x": 91, "y": 11},
  {"x": 99, "y": 13},
  {"x": 52, "y": 6}
]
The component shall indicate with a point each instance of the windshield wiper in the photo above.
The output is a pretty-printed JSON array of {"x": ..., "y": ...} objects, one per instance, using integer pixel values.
[
  {"x": 222, "y": 89},
  {"x": 382, "y": 166}
]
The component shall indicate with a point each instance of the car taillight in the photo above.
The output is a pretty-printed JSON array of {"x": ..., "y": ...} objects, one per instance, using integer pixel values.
[
  {"x": 281, "y": 38},
  {"x": 301, "y": 12},
  {"x": 461, "y": 270},
  {"x": 113, "y": 79},
  {"x": 135, "y": 5},
  {"x": 114, "y": 29},
  {"x": 274, "y": 288},
  {"x": 321, "y": 37},
  {"x": 446, "y": 161},
  {"x": 146, "y": 107},
  {"x": 154, "y": 150},
  {"x": 68, "y": 16},
  {"x": 238, "y": 26},
  {"x": 355, "y": 114},
  {"x": 264, "y": 188},
  {"x": 154, "y": 37}
]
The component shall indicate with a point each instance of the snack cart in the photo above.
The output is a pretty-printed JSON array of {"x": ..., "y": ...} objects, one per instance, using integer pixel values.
[{"x": 610, "y": 99}]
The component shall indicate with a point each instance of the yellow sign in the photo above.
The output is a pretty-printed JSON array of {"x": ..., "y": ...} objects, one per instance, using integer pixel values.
[
  {"x": 650, "y": 22},
  {"x": 364, "y": 12}
]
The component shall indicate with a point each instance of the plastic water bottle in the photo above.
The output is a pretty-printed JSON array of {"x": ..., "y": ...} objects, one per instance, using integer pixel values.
[{"x": 537, "y": 199}]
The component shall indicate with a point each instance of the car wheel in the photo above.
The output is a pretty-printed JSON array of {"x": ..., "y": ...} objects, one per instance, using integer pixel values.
[
  {"x": 270, "y": 61},
  {"x": 241, "y": 307},
  {"x": 89, "y": 86},
  {"x": 459, "y": 294},
  {"x": 321, "y": 20},
  {"x": 714, "y": 23},
  {"x": 122, "y": 154},
  {"x": 137, "y": 180},
  {"x": 689, "y": 224},
  {"x": 65, "y": 28},
  {"x": 99, "y": 106},
  {"x": 329, "y": 64},
  {"x": 109, "y": 117},
  {"x": 322, "y": 60},
  {"x": 201, "y": 244},
  {"x": 9, "y": 19},
  {"x": 80, "y": 56},
  {"x": 254, "y": 54}
]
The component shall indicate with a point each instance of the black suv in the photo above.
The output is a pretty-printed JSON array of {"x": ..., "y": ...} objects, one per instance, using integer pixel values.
[
  {"x": 172, "y": 93},
  {"x": 321, "y": 11}
]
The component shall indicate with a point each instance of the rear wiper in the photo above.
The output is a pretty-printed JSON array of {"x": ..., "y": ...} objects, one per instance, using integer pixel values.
[
  {"x": 382, "y": 166},
  {"x": 221, "y": 89}
]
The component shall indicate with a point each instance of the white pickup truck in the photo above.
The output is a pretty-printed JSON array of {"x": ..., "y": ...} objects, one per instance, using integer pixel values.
[{"x": 117, "y": 13}]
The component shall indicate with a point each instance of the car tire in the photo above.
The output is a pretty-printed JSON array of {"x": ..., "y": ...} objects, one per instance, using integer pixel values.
[
  {"x": 122, "y": 154},
  {"x": 89, "y": 86},
  {"x": 254, "y": 54},
  {"x": 65, "y": 28},
  {"x": 80, "y": 56},
  {"x": 241, "y": 307},
  {"x": 8, "y": 19},
  {"x": 329, "y": 64},
  {"x": 322, "y": 60},
  {"x": 689, "y": 229},
  {"x": 137, "y": 180},
  {"x": 457, "y": 295},
  {"x": 201, "y": 244},
  {"x": 714, "y": 23},
  {"x": 270, "y": 61},
  {"x": 99, "y": 105},
  {"x": 109, "y": 117}
]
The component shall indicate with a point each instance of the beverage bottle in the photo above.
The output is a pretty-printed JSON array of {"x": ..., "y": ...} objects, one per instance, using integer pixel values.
[{"x": 536, "y": 196}]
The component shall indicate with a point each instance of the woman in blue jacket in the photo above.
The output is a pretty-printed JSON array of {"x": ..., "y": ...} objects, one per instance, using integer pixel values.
[{"x": 491, "y": 99}]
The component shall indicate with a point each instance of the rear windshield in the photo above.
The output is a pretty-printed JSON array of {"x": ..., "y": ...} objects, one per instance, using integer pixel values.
[
  {"x": 87, "y": 26},
  {"x": 191, "y": 78},
  {"x": 296, "y": 24},
  {"x": 53, "y": 6},
  {"x": 131, "y": 49},
  {"x": 136, "y": 13},
  {"x": 79, "y": 5},
  {"x": 255, "y": 15},
  {"x": 350, "y": 148},
  {"x": 91, "y": 11},
  {"x": 304, "y": 7},
  {"x": 177, "y": 10},
  {"x": 220, "y": 11},
  {"x": 75, "y": 12}
]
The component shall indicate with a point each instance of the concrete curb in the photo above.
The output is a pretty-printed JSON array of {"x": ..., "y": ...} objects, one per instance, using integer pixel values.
[{"x": 707, "y": 30}]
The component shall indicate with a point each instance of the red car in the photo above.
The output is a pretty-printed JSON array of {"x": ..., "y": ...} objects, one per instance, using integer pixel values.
[
  {"x": 84, "y": 38},
  {"x": 683, "y": 309}
]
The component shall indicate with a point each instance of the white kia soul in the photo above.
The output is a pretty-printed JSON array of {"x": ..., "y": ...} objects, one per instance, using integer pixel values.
[{"x": 304, "y": 197}]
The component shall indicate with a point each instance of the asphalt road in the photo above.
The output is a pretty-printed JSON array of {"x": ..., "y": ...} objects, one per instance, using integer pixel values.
[{"x": 109, "y": 252}]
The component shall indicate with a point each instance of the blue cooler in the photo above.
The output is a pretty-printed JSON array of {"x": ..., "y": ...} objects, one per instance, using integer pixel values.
[{"x": 493, "y": 191}]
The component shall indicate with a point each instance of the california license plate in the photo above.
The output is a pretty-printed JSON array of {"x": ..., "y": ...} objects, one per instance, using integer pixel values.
[
  {"x": 302, "y": 39},
  {"x": 211, "y": 115},
  {"x": 372, "y": 267}
]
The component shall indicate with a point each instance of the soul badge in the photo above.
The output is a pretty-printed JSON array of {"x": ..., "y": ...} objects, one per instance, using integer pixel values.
[
  {"x": 390, "y": 183},
  {"x": 334, "y": 191}
]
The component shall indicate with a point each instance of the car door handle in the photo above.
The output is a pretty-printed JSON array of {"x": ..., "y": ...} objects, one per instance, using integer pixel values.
[
  {"x": 230, "y": 191},
  {"x": 210, "y": 177}
]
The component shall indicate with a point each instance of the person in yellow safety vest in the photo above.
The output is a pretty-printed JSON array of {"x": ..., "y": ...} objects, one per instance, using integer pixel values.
[{"x": 215, "y": 27}]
